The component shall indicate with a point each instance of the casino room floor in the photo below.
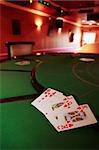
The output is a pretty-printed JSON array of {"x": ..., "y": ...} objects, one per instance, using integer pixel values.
[{"x": 22, "y": 125}]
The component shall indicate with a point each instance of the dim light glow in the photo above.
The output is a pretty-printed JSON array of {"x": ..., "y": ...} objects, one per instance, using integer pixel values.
[
  {"x": 31, "y": 1},
  {"x": 38, "y": 28},
  {"x": 59, "y": 30},
  {"x": 49, "y": 18},
  {"x": 98, "y": 24},
  {"x": 38, "y": 23}
]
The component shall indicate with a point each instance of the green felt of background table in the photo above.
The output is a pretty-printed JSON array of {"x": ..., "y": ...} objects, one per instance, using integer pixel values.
[{"x": 14, "y": 82}]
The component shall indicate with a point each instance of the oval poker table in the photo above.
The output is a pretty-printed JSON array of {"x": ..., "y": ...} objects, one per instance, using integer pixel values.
[{"x": 22, "y": 125}]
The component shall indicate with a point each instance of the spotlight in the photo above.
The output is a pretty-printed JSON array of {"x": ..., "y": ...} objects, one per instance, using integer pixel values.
[{"x": 59, "y": 23}]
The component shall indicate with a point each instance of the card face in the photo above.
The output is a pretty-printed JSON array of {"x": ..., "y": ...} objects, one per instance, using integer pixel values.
[
  {"x": 47, "y": 94},
  {"x": 63, "y": 112},
  {"x": 55, "y": 121},
  {"x": 60, "y": 103},
  {"x": 52, "y": 101},
  {"x": 41, "y": 102},
  {"x": 79, "y": 117},
  {"x": 55, "y": 109}
]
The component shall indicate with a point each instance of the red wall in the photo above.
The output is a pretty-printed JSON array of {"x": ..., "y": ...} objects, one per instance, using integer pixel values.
[
  {"x": 30, "y": 33},
  {"x": 26, "y": 19}
]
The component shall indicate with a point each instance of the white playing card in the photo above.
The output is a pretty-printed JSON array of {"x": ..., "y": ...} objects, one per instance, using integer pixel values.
[
  {"x": 62, "y": 111},
  {"x": 55, "y": 109},
  {"x": 44, "y": 106},
  {"x": 55, "y": 121},
  {"x": 79, "y": 117},
  {"x": 46, "y": 94},
  {"x": 49, "y": 93},
  {"x": 57, "y": 104}
]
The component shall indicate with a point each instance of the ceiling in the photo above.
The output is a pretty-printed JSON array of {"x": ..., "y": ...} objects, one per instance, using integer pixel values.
[
  {"x": 73, "y": 4},
  {"x": 75, "y": 11}
]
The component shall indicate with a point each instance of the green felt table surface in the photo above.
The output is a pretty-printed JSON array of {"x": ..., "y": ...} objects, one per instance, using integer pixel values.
[
  {"x": 23, "y": 126},
  {"x": 15, "y": 80}
]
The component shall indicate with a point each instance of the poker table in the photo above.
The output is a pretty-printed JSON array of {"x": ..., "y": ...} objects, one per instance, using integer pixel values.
[{"x": 22, "y": 126}]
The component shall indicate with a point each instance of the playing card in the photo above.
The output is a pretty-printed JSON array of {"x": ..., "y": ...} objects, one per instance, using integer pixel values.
[
  {"x": 62, "y": 111},
  {"x": 55, "y": 120},
  {"x": 46, "y": 94},
  {"x": 79, "y": 117},
  {"x": 49, "y": 93},
  {"x": 56, "y": 107},
  {"x": 58, "y": 104}
]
